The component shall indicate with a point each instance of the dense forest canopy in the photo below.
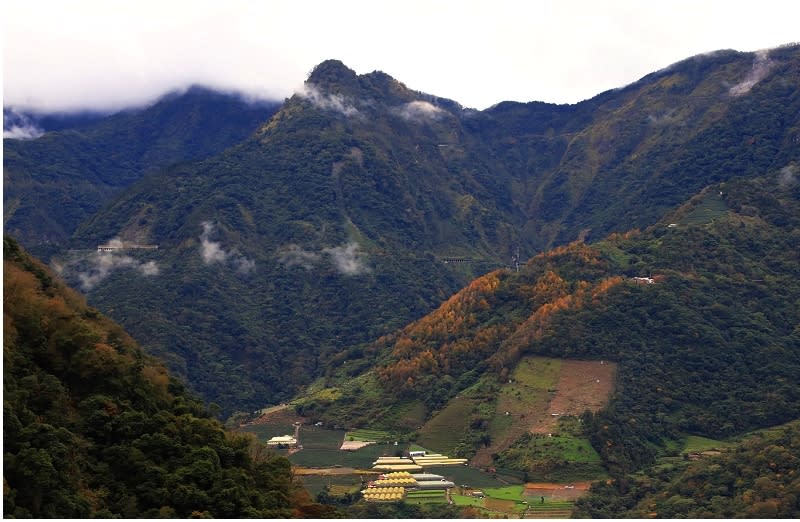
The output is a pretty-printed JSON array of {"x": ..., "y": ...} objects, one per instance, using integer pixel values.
[{"x": 93, "y": 427}]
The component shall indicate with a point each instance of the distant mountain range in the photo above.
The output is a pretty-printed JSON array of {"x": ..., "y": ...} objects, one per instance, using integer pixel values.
[{"x": 290, "y": 235}]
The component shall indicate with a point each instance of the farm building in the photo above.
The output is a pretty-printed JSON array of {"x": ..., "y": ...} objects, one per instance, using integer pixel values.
[
  {"x": 397, "y": 467},
  {"x": 392, "y": 460},
  {"x": 435, "y": 484},
  {"x": 383, "y": 494},
  {"x": 426, "y": 476},
  {"x": 282, "y": 440},
  {"x": 436, "y": 459}
]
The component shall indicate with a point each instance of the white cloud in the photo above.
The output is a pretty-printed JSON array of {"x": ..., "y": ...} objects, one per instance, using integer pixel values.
[
  {"x": 295, "y": 255},
  {"x": 347, "y": 259},
  {"x": 331, "y": 102},
  {"x": 94, "y": 268},
  {"x": 419, "y": 110},
  {"x": 213, "y": 252},
  {"x": 788, "y": 176},
  {"x": 17, "y": 132},
  {"x": 19, "y": 126},
  {"x": 104, "y": 54}
]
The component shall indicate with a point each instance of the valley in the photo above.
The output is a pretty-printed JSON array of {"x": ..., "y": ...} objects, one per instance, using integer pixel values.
[{"x": 573, "y": 310}]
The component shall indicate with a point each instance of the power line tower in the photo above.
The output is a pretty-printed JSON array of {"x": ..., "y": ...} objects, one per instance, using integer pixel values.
[{"x": 515, "y": 259}]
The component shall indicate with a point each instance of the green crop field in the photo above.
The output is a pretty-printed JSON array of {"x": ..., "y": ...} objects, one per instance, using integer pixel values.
[
  {"x": 313, "y": 437},
  {"x": 473, "y": 477},
  {"x": 328, "y": 457},
  {"x": 443, "y": 432},
  {"x": 505, "y": 493},
  {"x": 368, "y": 435},
  {"x": 463, "y": 500}
]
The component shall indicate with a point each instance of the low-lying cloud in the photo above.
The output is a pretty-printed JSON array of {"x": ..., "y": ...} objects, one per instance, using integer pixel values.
[
  {"x": 213, "y": 252},
  {"x": 667, "y": 117},
  {"x": 347, "y": 259},
  {"x": 295, "y": 255},
  {"x": 331, "y": 102},
  {"x": 91, "y": 269},
  {"x": 19, "y": 126},
  {"x": 419, "y": 110},
  {"x": 788, "y": 176}
]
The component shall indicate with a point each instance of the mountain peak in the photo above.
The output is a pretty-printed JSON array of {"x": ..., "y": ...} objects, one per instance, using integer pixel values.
[{"x": 333, "y": 72}]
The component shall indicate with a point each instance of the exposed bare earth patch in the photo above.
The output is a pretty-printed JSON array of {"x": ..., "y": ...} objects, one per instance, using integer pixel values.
[
  {"x": 277, "y": 414},
  {"x": 582, "y": 385},
  {"x": 556, "y": 491}
]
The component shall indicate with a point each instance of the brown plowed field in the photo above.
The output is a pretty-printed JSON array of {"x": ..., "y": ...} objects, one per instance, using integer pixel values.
[
  {"x": 556, "y": 491},
  {"x": 582, "y": 385}
]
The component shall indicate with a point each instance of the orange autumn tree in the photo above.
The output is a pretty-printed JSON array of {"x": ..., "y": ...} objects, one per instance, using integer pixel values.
[{"x": 496, "y": 319}]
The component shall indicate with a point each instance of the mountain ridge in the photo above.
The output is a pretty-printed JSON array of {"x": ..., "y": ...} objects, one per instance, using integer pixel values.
[{"x": 356, "y": 190}]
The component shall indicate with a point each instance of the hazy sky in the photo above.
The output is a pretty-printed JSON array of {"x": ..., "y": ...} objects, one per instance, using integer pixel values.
[{"x": 71, "y": 54}]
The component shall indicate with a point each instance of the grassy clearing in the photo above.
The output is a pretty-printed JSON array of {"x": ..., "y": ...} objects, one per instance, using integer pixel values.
[
  {"x": 505, "y": 493},
  {"x": 696, "y": 443},
  {"x": 712, "y": 207},
  {"x": 463, "y": 500},
  {"x": 444, "y": 431}
]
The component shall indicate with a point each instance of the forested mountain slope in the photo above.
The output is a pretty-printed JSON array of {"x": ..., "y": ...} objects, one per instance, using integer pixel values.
[
  {"x": 328, "y": 226},
  {"x": 52, "y": 183},
  {"x": 93, "y": 427},
  {"x": 707, "y": 339},
  {"x": 757, "y": 478}
]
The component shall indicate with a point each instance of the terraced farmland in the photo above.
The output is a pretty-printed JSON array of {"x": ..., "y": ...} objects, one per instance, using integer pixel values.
[{"x": 550, "y": 509}]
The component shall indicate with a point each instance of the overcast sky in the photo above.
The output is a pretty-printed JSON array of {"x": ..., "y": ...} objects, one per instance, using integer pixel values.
[{"x": 75, "y": 54}]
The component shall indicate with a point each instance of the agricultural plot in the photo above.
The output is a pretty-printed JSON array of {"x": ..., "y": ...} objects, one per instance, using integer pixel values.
[
  {"x": 472, "y": 477},
  {"x": 550, "y": 509},
  {"x": 322, "y": 457},
  {"x": 314, "y": 437},
  {"x": 581, "y": 386},
  {"x": 364, "y": 435},
  {"x": 337, "y": 485},
  {"x": 506, "y": 500},
  {"x": 710, "y": 208},
  {"x": 521, "y": 402},
  {"x": 444, "y": 431},
  {"x": 426, "y": 497}
]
